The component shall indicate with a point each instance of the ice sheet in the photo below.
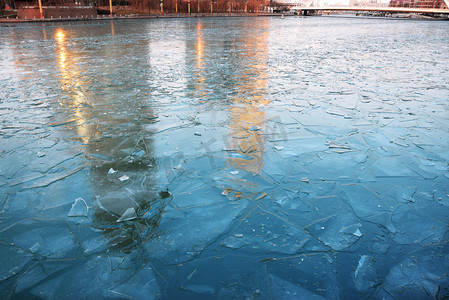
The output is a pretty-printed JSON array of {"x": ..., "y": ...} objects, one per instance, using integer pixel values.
[{"x": 257, "y": 158}]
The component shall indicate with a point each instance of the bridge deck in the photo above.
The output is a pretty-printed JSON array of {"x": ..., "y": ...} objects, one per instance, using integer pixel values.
[{"x": 379, "y": 9}]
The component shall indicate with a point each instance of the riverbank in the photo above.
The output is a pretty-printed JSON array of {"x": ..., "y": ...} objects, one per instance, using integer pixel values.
[
  {"x": 206, "y": 15},
  {"x": 133, "y": 16}
]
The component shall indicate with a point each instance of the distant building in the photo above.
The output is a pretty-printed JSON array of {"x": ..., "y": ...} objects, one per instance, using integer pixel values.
[
  {"x": 29, "y": 9},
  {"x": 377, "y": 3},
  {"x": 418, "y": 3},
  {"x": 21, "y": 3},
  {"x": 332, "y": 2}
]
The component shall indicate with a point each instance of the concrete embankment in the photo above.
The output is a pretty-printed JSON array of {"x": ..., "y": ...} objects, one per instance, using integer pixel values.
[{"x": 149, "y": 16}]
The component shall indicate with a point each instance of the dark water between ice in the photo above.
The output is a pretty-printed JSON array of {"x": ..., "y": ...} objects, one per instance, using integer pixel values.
[{"x": 256, "y": 158}]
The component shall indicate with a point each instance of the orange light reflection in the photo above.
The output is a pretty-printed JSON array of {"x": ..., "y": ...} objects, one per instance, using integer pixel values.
[
  {"x": 71, "y": 84},
  {"x": 248, "y": 116},
  {"x": 200, "y": 58}
]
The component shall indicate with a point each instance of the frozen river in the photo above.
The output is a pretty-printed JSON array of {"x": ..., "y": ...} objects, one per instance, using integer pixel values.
[{"x": 225, "y": 158}]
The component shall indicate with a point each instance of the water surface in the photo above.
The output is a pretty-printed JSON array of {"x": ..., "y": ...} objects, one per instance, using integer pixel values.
[{"x": 226, "y": 158}]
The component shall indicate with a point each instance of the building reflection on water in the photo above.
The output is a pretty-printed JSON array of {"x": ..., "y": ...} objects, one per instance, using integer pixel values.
[
  {"x": 109, "y": 120},
  {"x": 110, "y": 125},
  {"x": 247, "y": 115},
  {"x": 199, "y": 74},
  {"x": 238, "y": 88},
  {"x": 73, "y": 85}
]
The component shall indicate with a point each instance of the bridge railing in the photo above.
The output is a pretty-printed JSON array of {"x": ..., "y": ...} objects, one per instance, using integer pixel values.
[{"x": 312, "y": 3}]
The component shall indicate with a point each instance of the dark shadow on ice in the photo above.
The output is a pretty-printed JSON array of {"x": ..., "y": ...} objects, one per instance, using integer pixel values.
[
  {"x": 110, "y": 125},
  {"x": 127, "y": 214}
]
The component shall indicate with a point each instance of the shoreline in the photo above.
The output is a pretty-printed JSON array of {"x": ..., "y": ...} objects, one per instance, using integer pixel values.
[
  {"x": 208, "y": 15},
  {"x": 149, "y": 16}
]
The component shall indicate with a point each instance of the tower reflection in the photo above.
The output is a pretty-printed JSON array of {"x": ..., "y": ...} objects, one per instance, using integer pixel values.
[
  {"x": 110, "y": 122},
  {"x": 231, "y": 75},
  {"x": 247, "y": 114}
]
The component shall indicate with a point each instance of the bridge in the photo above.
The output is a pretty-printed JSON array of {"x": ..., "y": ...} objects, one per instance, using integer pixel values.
[{"x": 308, "y": 7}]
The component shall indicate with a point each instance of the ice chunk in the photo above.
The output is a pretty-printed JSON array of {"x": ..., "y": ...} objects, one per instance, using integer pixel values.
[
  {"x": 404, "y": 194},
  {"x": 364, "y": 202},
  {"x": 233, "y": 242},
  {"x": 317, "y": 273},
  {"x": 247, "y": 184},
  {"x": 35, "y": 247},
  {"x": 178, "y": 166},
  {"x": 421, "y": 276},
  {"x": 254, "y": 128},
  {"x": 30, "y": 278},
  {"x": 53, "y": 240},
  {"x": 365, "y": 275},
  {"x": 380, "y": 247},
  {"x": 49, "y": 179},
  {"x": 226, "y": 191},
  {"x": 360, "y": 158},
  {"x": 250, "y": 283},
  {"x": 412, "y": 226},
  {"x": 201, "y": 196},
  {"x": 37, "y": 274},
  {"x": 22, "y": 179},
  {"x": 124, "y": 178},
  {"x": 343, "y": 166},
  {"x": 111, "y": 171},
  {"x": 95, "y": 279},
  {"x": 391, "y": 167},
  {"x": 270, "y": 233},
  {"x": 12, "y": 260},
  {"x": 338, "y": 231},
  {"x": 95, "y": 244},
  {"x": 139, "y": 154},
  {"x": 188, "y": 231},
  {"x": 129, "y": 214},
  {"x": 332, "y": 235},
  {"x": 142, "y": 285},
  {"x": 418, "y": 169},
  {"x": 79, "y": 208},
  {"x": 278, "y": 148},
  {"x": 358, "y": 232},
  {"x": 117, "y": 203}
]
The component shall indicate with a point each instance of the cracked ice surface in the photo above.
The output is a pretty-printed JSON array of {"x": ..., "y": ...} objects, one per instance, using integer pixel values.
[{"x": 303, "y": 158}]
